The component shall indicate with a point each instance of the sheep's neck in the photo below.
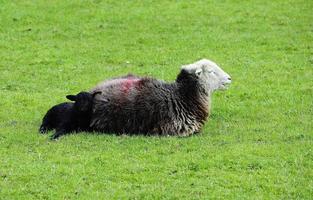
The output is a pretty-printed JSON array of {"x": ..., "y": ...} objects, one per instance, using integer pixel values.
[
  {"x": 194, "y": 94},
  {"x": 193, "y": 90}
]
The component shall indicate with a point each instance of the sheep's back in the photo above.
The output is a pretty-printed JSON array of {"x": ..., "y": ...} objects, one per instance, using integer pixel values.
[{"x": 142, "y": 105}]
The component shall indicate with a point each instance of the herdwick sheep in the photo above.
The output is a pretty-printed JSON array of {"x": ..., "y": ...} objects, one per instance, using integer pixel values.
[
  {"x": 69, "y": 117},
  {"x": 137, "y": 105}
]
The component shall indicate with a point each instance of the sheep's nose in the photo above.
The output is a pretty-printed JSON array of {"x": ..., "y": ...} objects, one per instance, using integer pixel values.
[{"x": 228, "y": 80}]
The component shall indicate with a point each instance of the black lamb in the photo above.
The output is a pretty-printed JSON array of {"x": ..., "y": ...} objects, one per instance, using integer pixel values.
[{"x": 69, "y": 117}]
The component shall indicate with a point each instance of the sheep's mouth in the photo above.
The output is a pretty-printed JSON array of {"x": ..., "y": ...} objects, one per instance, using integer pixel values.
[{"x": 225, "y": 86}]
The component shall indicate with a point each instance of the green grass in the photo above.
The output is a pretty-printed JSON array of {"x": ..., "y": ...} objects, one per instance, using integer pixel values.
[{"x": 257, "y": 143}]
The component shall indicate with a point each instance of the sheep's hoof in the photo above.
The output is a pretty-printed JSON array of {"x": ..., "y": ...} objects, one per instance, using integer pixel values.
[
  {"x": 43, "y": 130},
  {"x": 54, "y": 137}
]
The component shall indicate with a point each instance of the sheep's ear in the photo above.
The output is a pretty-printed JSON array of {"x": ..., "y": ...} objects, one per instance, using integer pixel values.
[
  {"x": 198, "y": 72},
  {"x": 71, "y": 97}
]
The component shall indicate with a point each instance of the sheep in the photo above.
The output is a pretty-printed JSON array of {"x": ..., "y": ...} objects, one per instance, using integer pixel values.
[
  {"x": 142, "y": 105},
  {"x": 69, "y": 117}
]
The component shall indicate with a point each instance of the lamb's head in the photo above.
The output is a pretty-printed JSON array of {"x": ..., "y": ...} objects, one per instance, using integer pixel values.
[
  {"x": 83, "y": 101},
  {"x": 210, "y": 76}
]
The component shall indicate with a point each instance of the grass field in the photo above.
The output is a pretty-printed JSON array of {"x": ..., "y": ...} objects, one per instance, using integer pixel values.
[{"x": 257, "y": 144}]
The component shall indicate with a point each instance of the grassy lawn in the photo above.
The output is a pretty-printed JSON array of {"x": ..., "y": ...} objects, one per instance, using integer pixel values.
[{"x": 257, "y": 144}]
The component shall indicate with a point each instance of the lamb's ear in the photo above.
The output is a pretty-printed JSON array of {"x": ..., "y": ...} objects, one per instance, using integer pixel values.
[
  {"x": 198, "y": 72},
  {"x": 71, "y": 97}
]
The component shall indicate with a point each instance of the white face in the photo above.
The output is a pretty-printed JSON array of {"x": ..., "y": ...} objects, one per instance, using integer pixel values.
[{"x": 209, "y": 74}]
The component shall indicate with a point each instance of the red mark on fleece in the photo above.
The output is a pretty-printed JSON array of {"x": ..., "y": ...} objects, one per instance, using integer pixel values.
[{"x": 128, "y": 83}]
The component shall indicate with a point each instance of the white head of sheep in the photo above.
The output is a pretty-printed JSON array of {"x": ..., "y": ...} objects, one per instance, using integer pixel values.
[{"x": 210, "y": 75}]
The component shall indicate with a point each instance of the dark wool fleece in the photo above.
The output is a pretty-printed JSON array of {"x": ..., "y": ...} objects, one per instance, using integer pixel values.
[{"x": 135, "y": 105}]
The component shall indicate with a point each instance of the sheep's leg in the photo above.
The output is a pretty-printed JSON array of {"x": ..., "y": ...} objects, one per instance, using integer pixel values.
[
  {"x": 59, "y": 132},
  {"x": 48, "y": 123}
]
